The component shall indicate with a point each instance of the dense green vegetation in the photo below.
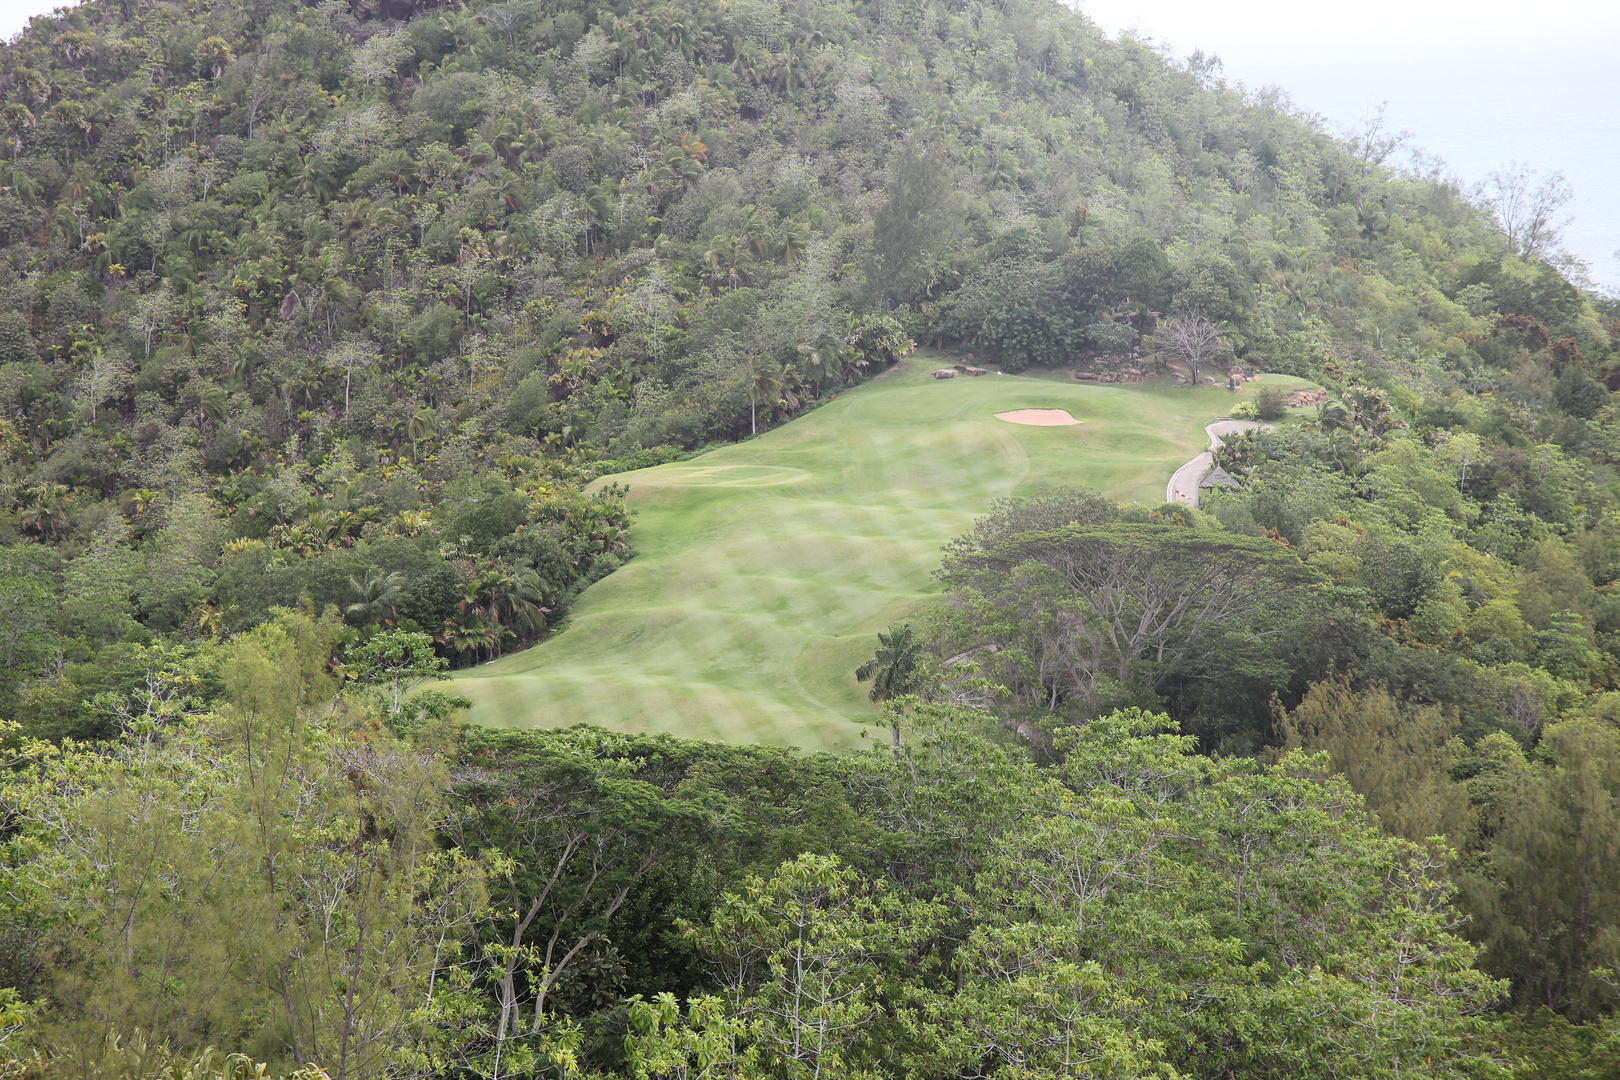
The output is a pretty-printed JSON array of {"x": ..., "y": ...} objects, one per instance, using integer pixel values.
[
  {"x": 324, "y": 332},
  {"x": 255, "y": 867},
  {"x": 301, "y": 298},
  {"x": 310, "y": 867}
]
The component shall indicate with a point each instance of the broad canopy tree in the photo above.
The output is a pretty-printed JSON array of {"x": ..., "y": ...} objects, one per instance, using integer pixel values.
[
  {"x": 1137, "y": 910},
  {"x": 1084, "y": 606},
  {"x": 573, "y": 826}
]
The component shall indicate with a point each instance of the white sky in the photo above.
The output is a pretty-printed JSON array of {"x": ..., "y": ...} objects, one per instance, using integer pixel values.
[
  {"x": 14, "y": 14},
  {"x": 1480, "y": 83},
  {"x": 1411, "y": 26}
]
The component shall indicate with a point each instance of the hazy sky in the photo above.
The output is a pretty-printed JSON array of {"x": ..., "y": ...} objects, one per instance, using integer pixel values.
[
  {"x": 14, "y": 14},
  {"x": 1480, "y": 83}
]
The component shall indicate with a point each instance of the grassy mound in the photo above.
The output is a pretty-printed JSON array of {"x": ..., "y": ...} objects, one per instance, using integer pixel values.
[{"x": 766, "y": 568}]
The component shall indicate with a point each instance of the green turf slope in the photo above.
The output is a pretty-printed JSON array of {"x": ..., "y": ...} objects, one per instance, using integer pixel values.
[{"x": 765, "y": 568}]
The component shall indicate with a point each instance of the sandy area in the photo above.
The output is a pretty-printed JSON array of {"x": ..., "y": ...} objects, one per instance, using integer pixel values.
[{"x": 1037, "y": 417}]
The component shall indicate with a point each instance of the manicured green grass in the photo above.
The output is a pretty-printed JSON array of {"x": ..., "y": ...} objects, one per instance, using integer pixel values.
[{"x": 767, "y": 567}]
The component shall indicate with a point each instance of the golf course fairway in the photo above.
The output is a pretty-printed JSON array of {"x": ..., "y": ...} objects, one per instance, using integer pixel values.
[{"x": 765, "y": 568}]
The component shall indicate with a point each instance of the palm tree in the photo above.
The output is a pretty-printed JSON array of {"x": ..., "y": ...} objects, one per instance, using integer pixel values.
[
  {"x": 463, "y": 636},
  {"x": 213, "y": 404},
  {"x": 896, "y": 668},
  {"x": 48, "y": 513},
  {"x": 334, "y": 293},
  {"x": 764, "y": 381},
  {"x": 377, "y": 598},
  {"x": 141, "y": 499},
  {"x": 523, "y": 602},
  {"x": 1370, "y": 407},
  {"x": 600, "y": 201},
  {"x": 421, "y": 425},
  {"x": 795, "y": 241},
  {"x": 823, "y": 359},
  {"x": 1332, "y": 415},
  {"x": 1343, "y": 451},
  {"x": 315, "y": 180}
]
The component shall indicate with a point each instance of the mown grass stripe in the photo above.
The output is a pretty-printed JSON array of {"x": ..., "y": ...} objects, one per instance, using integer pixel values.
[{"x": 751, "y": 602}]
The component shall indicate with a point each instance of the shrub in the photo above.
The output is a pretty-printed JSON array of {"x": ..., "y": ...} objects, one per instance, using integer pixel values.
[
  {"x": 1270, "y": 403},
  {"x": 641, "y": 458}
]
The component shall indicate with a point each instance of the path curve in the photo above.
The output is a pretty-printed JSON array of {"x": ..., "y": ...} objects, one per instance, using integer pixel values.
[{"x": 1183, "y": 485}]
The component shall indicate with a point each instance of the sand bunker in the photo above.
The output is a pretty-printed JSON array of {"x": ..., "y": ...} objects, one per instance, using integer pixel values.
[{"x": 1038, "y": 417}]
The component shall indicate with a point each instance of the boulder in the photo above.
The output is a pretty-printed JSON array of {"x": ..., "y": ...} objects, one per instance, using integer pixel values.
[
  {"x": 975, "y": 372},
  {"x": 945, "y": 373},
  {"x": 1090, "y": 376}
]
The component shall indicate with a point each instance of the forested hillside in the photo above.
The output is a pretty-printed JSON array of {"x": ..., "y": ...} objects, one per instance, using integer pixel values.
[
  {"x": 316, "y": 323},
  {"x": 303, "y": 300}
]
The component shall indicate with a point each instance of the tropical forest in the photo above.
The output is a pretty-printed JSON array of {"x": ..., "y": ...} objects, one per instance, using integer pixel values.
[{"x": 785, "y": 540}]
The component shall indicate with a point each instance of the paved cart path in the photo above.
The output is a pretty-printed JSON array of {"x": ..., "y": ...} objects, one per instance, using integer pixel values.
[{"x": 1183, "y": 486}]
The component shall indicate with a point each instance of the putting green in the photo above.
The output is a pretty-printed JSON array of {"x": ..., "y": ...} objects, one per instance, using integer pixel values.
[{"x": 766, "y": 568}]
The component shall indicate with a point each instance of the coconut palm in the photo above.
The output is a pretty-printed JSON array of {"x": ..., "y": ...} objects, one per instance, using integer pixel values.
[
  {"x": 422, "y": 424},
  {"x": 213, "y": 406},
  {"x": 796, "y": 238},
  {"x": 896, "y": 668},
  {"x": 764, "y": 383},
  {"x": 523, "y": 602},
  {"x": 48, "y": 513},
  {"x": 377, "y": 598},
  {"x": 1343, "y": 451},
  {"x": 1332, "y": 415}
]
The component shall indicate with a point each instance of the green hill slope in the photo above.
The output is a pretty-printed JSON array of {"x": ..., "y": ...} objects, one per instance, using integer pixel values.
[{"x": 767, "y": 566}]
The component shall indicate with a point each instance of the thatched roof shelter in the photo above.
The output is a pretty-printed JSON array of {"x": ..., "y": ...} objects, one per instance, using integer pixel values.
[{"x": 1217, "y": 477}]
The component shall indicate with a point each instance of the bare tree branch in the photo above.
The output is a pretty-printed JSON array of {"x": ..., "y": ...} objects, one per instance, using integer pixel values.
[
  {"x": 1529, "y": 212},
  {"x": 1192, "y": 339}
]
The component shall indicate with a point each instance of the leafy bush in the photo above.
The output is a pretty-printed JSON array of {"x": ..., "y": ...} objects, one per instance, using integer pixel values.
[
  {"x": 644, "y": 458},
  {"x": 1270, "y": 402}
]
